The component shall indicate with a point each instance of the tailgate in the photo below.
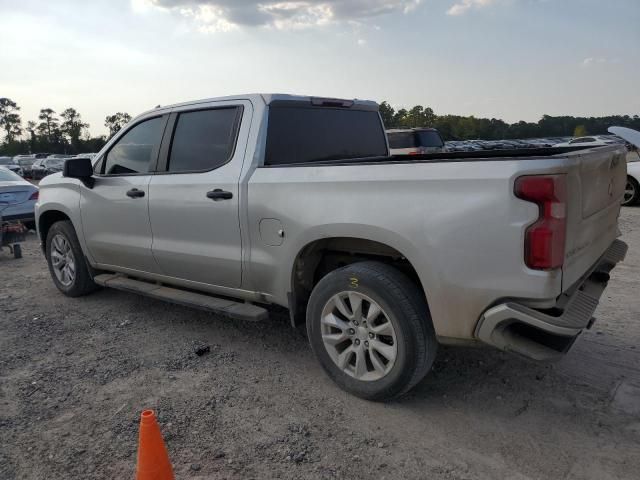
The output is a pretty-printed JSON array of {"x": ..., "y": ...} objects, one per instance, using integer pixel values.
[{"x": 596, "y": 185}]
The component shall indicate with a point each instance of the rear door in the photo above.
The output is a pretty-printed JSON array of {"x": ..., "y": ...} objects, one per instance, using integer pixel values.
[
  {"x": 194, "y": 198},
  {"x": 115, "y": 210}
]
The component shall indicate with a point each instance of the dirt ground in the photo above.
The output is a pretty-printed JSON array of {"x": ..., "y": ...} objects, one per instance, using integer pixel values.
[{"x": 76, "y": 373}]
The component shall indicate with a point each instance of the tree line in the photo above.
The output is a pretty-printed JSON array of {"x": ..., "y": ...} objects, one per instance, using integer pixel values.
[
  {"x": 68, "y": 133},
  {"x": 457, "y": 127},
  {"x": 65, "y": 132}
]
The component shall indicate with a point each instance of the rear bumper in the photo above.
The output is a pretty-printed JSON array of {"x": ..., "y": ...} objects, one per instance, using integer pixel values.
[
  {"x": 23, "y": 217},
  {"x": 24, "y": 212},
  {"x": 548, "y": 334}
]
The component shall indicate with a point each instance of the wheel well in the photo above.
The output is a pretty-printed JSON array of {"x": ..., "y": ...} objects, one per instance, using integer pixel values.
[
  {"x": 46, "y": 220},
  {"x": 319, "y": 258}
]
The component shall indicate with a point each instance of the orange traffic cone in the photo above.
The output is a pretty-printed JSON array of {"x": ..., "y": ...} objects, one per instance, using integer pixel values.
[{"x": 153, "y": 459}]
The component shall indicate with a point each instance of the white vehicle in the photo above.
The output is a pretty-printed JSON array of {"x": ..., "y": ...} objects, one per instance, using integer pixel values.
[
  {"x": 10, "y": 164},
  {"x": 415, "y": 141},
  {"x": 632, "y": 190},
  {"x": 591, "y": 141},
  {"x": 231, "y": 204}
]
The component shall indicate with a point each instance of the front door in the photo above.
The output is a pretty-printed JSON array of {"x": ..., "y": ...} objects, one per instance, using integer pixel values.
[
  {"x": 115, "y": 210},
  {"x": 194, "y": 198}
]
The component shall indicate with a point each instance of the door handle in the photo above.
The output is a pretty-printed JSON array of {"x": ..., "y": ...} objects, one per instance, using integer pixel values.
[
  {"x": 135, "y": 193},
  {"x": 219, "y": 194}
]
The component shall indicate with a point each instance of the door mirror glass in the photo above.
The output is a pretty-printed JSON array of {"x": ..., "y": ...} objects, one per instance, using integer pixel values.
[{"x": 77, "y": 168}]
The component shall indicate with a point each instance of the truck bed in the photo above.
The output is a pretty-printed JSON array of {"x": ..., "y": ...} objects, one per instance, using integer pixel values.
[{"x": 487, "y": 155}]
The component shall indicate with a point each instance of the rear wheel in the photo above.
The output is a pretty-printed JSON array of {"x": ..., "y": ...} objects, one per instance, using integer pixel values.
[
  {"x": 370, "y": 329},
  {"x": 631, "y": 192},
  {"x": 66, "y": 261}
]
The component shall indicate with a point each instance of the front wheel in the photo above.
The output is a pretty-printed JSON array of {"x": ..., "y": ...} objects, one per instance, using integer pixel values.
[
  {"x": 370, "y": 329},
  {"x": 631, "y": 192},
  {"x": 66, "y": 261}
]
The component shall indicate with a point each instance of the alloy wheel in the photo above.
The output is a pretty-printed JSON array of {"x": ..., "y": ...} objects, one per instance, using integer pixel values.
[
  {"x": 359, "y": 336},
  {"x": 62, "y": 260}
]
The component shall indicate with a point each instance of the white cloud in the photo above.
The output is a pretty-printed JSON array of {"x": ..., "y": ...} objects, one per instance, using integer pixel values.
[
  {"x": 463, "y": 6},
  {"x": 593, "y": 61},
  {"x": 224, "y": 15}
]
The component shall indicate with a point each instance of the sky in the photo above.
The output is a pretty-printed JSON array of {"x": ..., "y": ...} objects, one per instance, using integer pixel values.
[{"x": 509, "y": 59}]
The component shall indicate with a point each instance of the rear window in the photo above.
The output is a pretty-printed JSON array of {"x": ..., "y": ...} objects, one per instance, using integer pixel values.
[
  {"x": 402, "y": 140},
  {"x": 429, "y": 138},
  {"x": 316, "y": 134}
]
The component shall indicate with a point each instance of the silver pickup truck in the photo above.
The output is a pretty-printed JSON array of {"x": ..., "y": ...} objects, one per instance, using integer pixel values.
[{"x": 235, "y": 203}]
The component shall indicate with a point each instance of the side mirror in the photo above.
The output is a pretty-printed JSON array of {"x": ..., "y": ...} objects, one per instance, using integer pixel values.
[
  {"x": 77, "y": 168},
  {"x": 80, "y": 168}
]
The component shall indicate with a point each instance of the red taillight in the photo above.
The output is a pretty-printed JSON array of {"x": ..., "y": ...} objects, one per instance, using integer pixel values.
[
  {"x": 545, "y": 239},
  {"x": 35, "y": 195},
  {"x": 413, "y": 152}
]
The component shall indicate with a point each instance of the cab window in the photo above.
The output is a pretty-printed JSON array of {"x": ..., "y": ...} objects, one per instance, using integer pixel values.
[
  {"x": 204, "y": 140},
  {"x": 137, "y": 150}
]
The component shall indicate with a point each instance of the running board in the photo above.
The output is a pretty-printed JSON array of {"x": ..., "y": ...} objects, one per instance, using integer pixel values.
[{"x": 221, "y": 306}]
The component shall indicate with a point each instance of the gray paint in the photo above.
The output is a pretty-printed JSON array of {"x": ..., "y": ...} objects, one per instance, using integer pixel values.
[{"x": 458, "y": 223}]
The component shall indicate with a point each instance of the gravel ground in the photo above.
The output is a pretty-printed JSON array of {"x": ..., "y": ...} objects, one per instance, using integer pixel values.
[{"x": 75, "y": 374}]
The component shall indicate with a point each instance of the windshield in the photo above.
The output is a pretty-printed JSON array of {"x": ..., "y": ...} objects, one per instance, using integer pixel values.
[
  {"x": 8, "y": 176},
  {"x": 430, "y": 138},
  {"x": 6, "y": 161}
]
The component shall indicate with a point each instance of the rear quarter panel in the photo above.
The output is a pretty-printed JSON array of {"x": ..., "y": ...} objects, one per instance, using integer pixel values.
[{"x": 458, "y": 223}]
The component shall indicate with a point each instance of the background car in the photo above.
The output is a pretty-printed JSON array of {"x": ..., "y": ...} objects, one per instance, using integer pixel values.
[
  {"x": 37, "y": 169},
  {"x": 415, "y": 141},
  {"x": 46, "y": 166},
  {"x": 21, "y": 197},
  {"x": 8, "y": 162},
  {"x": 53, "y": 165},
  {"x": 592, "y": 140},
  {"x": 632, "y": 189},
  {"x": 25, "y": 162},
  {"x": 85, "y": 155}
]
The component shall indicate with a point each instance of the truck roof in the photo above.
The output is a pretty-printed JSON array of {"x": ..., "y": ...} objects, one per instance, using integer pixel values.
[{"x": 271, "y": 98}]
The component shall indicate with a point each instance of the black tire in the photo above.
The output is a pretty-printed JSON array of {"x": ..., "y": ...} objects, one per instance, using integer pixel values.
[
  {"x": 17, "y": 251},
  {"x": 635, "y": 198},
  {"x": 407, "y": 310},
  {"x": 83, "y": 283}
]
